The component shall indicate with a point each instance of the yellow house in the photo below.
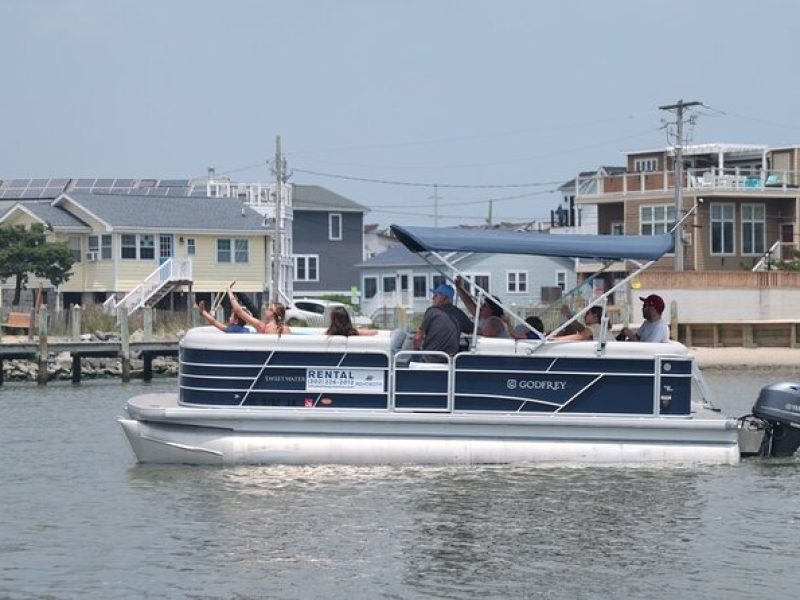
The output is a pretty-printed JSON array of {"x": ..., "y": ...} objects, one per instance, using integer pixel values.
[{"x": 120, "y": 241}]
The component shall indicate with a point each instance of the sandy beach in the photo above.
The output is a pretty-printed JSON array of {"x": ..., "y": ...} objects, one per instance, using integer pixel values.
[{"x": 732, "y": 358}]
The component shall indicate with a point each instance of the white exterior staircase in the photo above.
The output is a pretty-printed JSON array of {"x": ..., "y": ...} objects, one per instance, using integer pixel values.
[{"x": 171, "y": 274}]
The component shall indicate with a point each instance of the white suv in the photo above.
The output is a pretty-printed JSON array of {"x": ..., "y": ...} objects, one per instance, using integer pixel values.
[{"x": 313, "y": 313}]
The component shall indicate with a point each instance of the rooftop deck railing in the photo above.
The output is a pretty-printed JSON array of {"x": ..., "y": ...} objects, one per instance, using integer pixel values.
[{"x": 704, "y": 180}]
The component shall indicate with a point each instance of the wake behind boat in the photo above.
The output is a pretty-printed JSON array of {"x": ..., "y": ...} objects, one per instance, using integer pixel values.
[{"x": 308, "y": 399}]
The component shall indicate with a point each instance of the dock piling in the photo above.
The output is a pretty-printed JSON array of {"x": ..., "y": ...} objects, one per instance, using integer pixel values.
[
  {"x": 41, "y": 357},
  {"x": 125, "y": 344}
]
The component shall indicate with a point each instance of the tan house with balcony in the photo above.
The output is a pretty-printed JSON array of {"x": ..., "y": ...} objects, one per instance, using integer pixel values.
[
  {"x": 165, "y": 247},
  {"x": 748, "y": 195}
]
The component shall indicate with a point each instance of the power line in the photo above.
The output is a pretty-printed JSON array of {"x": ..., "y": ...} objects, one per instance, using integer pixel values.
[{"x": 426, "y": 184}]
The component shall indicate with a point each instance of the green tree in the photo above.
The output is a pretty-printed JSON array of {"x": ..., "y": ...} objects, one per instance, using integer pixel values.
[{"x": 25, "y": 252}]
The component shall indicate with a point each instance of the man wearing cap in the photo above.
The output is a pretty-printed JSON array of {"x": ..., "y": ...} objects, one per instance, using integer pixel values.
[
  {"x": 442, "y": 325},
  {"x": 654, "y": 329}
]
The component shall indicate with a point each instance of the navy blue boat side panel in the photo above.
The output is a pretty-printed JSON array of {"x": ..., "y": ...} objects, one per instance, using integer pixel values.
[
  {"x": 467, "y": 402},
  {"x": 540, "y": 386},
  {"x": 305, "y": 399},
  {"x": 421, "y": 381},
  {"x": 251, "y": 357},
  {"x": 507, "y": 363},
  {"x": 421, "y": 401},
  {"x": 226, "y": 371},
  {"x": 569, "y": 365},
  {"x": 675, "y": 395},
  {"x": 677, "y": 366},
  {"x": 419, "y": 388},
  {"x": 612, "y": 394},
  {"x": 604, "y": 365}
]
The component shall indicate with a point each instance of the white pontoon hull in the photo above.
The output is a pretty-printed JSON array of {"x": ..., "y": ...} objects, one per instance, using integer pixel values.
[{"x": 162, "y": 431}]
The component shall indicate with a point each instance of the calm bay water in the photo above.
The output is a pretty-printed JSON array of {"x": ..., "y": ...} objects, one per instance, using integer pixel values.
[{"x": 79, "y": 519}]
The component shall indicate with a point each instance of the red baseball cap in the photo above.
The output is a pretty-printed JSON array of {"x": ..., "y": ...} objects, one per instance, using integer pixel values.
[{"x": 655, "y": 301}]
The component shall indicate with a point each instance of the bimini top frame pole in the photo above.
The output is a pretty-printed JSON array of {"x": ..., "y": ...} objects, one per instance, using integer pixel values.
[{"x": 434, "y": 241}]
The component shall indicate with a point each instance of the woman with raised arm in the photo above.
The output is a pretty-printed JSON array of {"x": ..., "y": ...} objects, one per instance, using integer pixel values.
[
  {"x": 235, "y": 323},
  {"x": 342, "y": 325},
  {"x": 275, "y": 313}
]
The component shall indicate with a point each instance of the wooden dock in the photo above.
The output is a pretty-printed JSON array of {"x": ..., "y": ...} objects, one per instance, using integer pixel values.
[{"x": 39, "y": 350}]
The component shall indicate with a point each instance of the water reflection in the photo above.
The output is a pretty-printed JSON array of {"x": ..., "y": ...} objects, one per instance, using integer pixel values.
[{"x": 506, "y": 531}]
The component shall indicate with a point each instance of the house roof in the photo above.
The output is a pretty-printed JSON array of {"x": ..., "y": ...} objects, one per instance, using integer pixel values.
[
  {"x": 56, "y": 217},
  {"x": 173, "y": 212},
  {"x": 314, "y": 197},
  {"x": 608, "y": 170},
  {"x": 400, "y": 256}
]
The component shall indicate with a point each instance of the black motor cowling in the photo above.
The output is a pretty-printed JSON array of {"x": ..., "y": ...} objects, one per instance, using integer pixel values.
[{"x": 778, "y": 405}]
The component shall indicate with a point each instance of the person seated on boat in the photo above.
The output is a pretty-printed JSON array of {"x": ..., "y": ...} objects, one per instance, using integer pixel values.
[
  {"x": 235, "y": 323},
  {"x": 275, "y": 316},
  {"x": 520, "y": 332},
  {"x": 342, "y": 325},
  {"x": 589, "y": 331},
  {"x": 494, "y": 326},
  {"x": 574, "y": 326},
  {"x": 654, "y": 328},
  {"x": 441, "y": 325},
  {"x": 490, "y": 315}
]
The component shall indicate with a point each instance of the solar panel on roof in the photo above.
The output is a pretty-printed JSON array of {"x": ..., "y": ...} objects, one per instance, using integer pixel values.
[
  {"x": 101, "y": 190},
  {"x": 124, "y": 183},
  {"x": 83, "y": 183},
  {"x": 58, "y": 182},
  {"x": 52, "y": 192},
  {"x": 39, "y": 182},
  {"x": 19, "y": 183},
  {"x": 173, "y": 183},
  {"x": 104, "y": 182},
  {"x": 31, "y": 193}
]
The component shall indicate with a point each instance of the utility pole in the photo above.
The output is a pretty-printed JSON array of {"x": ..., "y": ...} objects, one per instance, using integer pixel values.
[
  {"x": 435, "y": 198},
  {"x": 678, "y": 175},
  {"x": 276, "y": 244}
]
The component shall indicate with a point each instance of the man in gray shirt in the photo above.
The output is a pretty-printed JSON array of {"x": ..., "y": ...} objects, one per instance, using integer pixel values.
[
  {"x": 653, "y": 329},
  {"x": 442, "y": 325}
]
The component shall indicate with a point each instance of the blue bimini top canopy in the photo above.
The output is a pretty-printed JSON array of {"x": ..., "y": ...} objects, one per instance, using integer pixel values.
[{"x": 490, "y": 241}]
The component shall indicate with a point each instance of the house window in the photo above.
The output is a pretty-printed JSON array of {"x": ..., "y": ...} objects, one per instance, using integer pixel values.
[
  {"x": 389, "y": 284},
  {"x": 94, "y": 245},
  {"x": 656, "y": 219},
  {"x": 517, "y": 282},
  {"x": 335, "y": 226},
  {"x": 241, "y": 251},
  {"x": 128, "y": 246},
  {"x": 306, "y": 267},
  {"x": 438, "y": 280},
  {"x": 645, "y": 164},
  {"x": 420, "y": 286},
  {"x": 722, "y": 221},
  {"x": 75, "y": 247},
  {"x": 561, "y": 280},
  {"x": 191, "y": 246},
  {"x": 617, "y": 228},
  {"x": 105, "y": 247},
  {"x": 482, "y": 280},
  {"x": 231, "y": 250},
  {"x": 370, "y": 287},
  {"x": 223, "y": 250},
  {"x": 147, "y": 247},
  {"x": 753, "y": 226}
]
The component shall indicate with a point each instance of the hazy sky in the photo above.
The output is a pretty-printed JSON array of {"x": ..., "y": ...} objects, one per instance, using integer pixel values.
[{"x": 455, "y": 92}]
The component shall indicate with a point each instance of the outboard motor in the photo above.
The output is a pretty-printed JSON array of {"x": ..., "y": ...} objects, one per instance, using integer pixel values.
[{"x": 778, "y": 406}]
